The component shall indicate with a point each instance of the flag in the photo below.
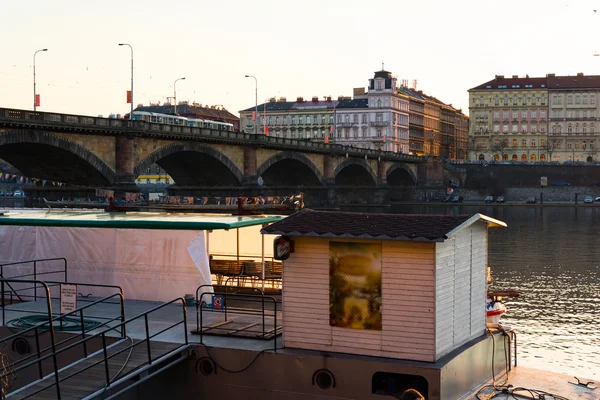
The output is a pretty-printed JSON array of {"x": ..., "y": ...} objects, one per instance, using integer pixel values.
[
  {"x": 330, "y": 128},
  {"x": 384, "y": 138},
  {"x": 267, "y": 130},
  {"x": 37, "y": 100},
  {"x": 253, "y": 116},
  {"x": 129, "y": 97},
  {"x": 326, "y": 139}
]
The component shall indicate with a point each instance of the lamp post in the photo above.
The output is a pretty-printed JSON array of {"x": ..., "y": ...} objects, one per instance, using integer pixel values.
[
  {"x": 34, "y": 88},
  {"x": 131, "y": 98},
  {"x": 255, "y": 102},
  {"x": 175, "y": 94}
]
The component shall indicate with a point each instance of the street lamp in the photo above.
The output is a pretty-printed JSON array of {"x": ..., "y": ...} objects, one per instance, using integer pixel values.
[
  {"x": 175, "y": 94},
  {"x": 34, "y": 93},
  {"x": 255, "y": 102},
  {"x": 131, "y": 97}
]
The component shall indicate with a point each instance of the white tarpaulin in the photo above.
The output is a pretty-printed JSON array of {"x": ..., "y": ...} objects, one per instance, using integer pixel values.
[{"x": 148, "y": 264}]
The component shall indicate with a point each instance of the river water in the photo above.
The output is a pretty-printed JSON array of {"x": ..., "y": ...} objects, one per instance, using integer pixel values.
[{"x": 551, "y": 255}]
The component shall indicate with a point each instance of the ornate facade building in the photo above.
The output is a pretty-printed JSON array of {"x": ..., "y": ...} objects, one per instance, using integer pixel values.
[
  {"x": 574, "y": 117},
  {"x": 553, "y": 118},
  {"x": 508, "y": 119},
  {"x": 386, "y": 116}
]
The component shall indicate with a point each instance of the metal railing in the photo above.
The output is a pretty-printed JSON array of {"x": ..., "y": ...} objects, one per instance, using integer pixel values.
[
  {"x": 49, "y": 326},
  {"x": 48, "y": 294},
  {"x": 105, "y": 357},
  {"x": 226, "y": 310},
  {"x": 35, "y": 274},
  {"x": 107, "y": 126}
]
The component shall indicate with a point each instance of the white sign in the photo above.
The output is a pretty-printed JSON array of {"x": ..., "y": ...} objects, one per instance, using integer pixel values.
[{"x": 68, "y": 298}]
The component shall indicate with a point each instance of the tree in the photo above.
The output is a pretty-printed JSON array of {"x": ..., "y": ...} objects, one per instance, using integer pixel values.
[
  {"x": 549, "y": 147},
  {"x": 500, "y": 146}
]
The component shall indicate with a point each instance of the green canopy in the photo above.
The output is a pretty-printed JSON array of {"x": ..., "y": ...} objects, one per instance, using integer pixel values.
[{"x": 133, "y": 220}]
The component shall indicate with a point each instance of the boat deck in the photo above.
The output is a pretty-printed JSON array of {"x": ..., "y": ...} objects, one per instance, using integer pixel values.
[
  {"x": 230, "y": 335},
  {"x": 530, "y": 383}
]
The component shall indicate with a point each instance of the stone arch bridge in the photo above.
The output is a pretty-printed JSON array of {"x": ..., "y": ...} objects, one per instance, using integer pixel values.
[{"x": 109, "y": 153}]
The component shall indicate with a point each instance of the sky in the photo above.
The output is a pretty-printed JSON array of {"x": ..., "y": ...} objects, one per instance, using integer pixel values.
[{"x": 294, "y": 48}]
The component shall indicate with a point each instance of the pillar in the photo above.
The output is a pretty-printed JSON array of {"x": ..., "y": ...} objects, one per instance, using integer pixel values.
[
  {"x": 124, "y": 160},
  {"x": 381, "y": 173},
  {"x": 250, "y": 177},
  {"x": 328, "y": 169}
]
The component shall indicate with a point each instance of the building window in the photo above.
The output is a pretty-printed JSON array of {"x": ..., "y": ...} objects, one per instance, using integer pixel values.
[
  {"x": 497, "y": 101},
  {"x": 542, "y": 158},
  {"x": 308, "y": 119},
  {"x": 542, "y": 114},
  {"x": 496, "y": 128},
  {"x": 378, "y": 103},
  {"x": 534, "y": 114},
  {"x": 505, "y": 100},
  {"x": 568, "y": 145},
  {"x": 515, "y": 128},
  {"x": 533, "y": 157},
  {"x": 584, "y": 128},
  {"x": 585, "y": 99},
  {"x": 505, "y": 114},
  {"x": 496, "y": 114},
  {"x": 505, "y": 128},
  {"x": 514, "y": 142},
  {"x": 569, "y": 99},
  {"x": 524, "y": 143},
  {"x": 514, "y": 157},
  {"x": 524, "y": 157},
  {"x": 542, "y": 142},
  {"x": 524, "y": 128},
  {"x": 592, "y": 99},
  {"x": 569, "y": 114},
  {"x": 569, "y": 129},
  {"x": 524, "y": 114},
  {"x": 578, "y": 99},
  {"x": 542, "y": 128},
  {"x": 379, "y": 85},
  {"x": 533, "y": 143},
  {"x": 300, "y": 119}
]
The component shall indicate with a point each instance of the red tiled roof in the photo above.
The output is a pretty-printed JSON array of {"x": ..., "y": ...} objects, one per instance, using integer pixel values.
[
  {"x": 367, "y": 226},
  {"x": 573, "y": 82},
  {"x": 500, "y": 82}
]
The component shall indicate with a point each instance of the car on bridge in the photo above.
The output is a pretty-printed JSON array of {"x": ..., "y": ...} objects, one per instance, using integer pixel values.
[
  {"x": 19, "y": 193},
  {"x": 500, "y": 199},
  {"x": 531, "y": 199},
  {"x": 588, "y": 199},
  {"x": 489, "y": 199}
]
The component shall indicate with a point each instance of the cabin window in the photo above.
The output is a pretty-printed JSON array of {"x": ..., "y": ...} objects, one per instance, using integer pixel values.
[{"x": 391, "y": 384}]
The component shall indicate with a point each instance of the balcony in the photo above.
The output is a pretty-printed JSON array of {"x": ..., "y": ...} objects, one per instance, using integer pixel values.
[{"x": 378, "y": 123}]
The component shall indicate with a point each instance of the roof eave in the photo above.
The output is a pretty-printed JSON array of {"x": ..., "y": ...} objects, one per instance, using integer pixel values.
[{"x": 491, "y": 223}]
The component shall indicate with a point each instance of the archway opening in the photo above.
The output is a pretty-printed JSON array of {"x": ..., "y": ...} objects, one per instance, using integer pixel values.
[
  {"x": 193, "y": 168},
  {"x": 354, "y": 174},
  {"x": 52, "y": 163},
  {"x": 400, "y": 177},
  {"x": 481, "y": 157},
  {"x": 289, "y": 172}
]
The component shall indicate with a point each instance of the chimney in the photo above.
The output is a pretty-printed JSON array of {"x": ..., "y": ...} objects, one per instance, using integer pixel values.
[
  {"x": 282, "y": 99},
  {"x": 272, "y": 100},
  {"x": 550, "y": 75},
  {"x": 580, "y": 74},
  {"x": 299, "y": 99},
  {"x": 515, "y": 76},
  {"x": 499, "y": 76},
  {"x": 359, "y": 91},
  {"x": 328, "y": 98},
  {"x": 315, "y": 99}
]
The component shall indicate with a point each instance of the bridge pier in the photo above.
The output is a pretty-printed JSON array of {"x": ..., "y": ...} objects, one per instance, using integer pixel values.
[{"x": 124, "y": 163}]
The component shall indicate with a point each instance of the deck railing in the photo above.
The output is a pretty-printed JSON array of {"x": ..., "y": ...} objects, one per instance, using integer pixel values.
[
  {"x": 35, "y": 273},
  {"x": 228, "y": 307},
  {"x": 105, "y": 357}
]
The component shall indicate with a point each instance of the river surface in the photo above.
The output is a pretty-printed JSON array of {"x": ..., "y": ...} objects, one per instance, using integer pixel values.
[{"x": 551, "y": 255}]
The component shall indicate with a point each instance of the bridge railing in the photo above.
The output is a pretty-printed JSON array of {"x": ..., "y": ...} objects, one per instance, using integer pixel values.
[{"x": 45, "y": 120}]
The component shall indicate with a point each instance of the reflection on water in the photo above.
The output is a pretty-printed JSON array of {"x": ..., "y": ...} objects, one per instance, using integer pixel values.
[{"x": 550, "y": 255}]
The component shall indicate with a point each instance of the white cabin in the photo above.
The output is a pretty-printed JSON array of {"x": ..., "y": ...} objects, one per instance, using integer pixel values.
[{"x": 432, "y": 272}]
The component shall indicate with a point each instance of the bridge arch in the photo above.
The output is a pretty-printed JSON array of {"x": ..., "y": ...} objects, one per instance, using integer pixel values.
[
  {"x": 356, "y": 165},
  {"x": 188, "y": 147},
  {"x": 290, "y": 155},
  {"x": 398, "y": 174},
  {"x": 34, "y": 145}
]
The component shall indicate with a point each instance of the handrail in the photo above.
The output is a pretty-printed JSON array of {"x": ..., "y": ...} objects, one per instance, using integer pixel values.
[
  {"x": 105, "y": 359},
  {"x": 35, "y": 274},
  {"x": 51, "y": 325},
  {"x": 42, "y": 325},
  {"x": 249, "y": 297}
]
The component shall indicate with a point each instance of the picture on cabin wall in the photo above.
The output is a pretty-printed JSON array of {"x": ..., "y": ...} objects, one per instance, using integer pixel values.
[{"x": 355, "y": 285}]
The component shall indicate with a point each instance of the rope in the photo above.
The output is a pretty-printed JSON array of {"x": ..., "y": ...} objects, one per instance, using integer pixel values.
[{"x": 69, "y": 324}]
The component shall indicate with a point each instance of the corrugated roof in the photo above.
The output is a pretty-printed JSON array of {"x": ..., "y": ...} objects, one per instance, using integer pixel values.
[{"x": 414, "y": 227}]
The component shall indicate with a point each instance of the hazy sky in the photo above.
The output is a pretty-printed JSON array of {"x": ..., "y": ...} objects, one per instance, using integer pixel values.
[{"x": 301, "y": 48}]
